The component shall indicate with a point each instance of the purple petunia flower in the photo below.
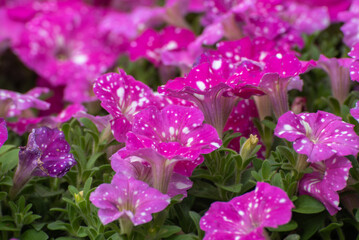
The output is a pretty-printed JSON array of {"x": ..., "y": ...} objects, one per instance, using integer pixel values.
[
  {"x": 246, "y": 216},
  {"x": 127, "y": 198},
  {"x": 12, "y": 103},
  {"x": 123, "y": 97},
  {"x": 328, "y": 177},
  {"x": 355, "y": 111},
  {"x": 3, "y": 132},
  {"x": 46, "y": 154},
  {"x": 318, "y": 135}
]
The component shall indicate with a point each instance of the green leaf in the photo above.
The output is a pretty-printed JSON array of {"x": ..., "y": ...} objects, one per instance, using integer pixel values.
[
  {"x": 32, "y": 234},
  {"x": 236, "y": 188},
  {"x": 269, "y": 124},
  {"x": 3, "y": 195},
  {"x": 308, "y": 205},
  {"x": 184, "y": 237},
  {"x": 167, "y": 231},
  {"x": 58, "y": 225},
  {"x": 195, "y": 218},
  {"x": 292, "y": 237},
  {"x": 7, "y": 226},
  {"x": 9, "y": 158},
  {"x": 326, "y": 231},
  {"x": 287, "y": 154},
  {"x": 292, "y": 225},
  {"x": 90, "y": 125},
  {"x": 90, "y": 163},
  {"x": 266, "y": 170}
]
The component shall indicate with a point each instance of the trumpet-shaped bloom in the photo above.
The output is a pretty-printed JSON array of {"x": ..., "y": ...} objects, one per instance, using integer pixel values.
[
  {"x": 155, "y": 169},
  {"x": 318, "y": 135},
  {"x": 328, "y": 177},
  {"x": 123, "y": 97},
  {"x": 246, "y": 216},
  {"x": 47, "y": 154},
  {"x": 175, "y": 130},
  {"x": 3, "y": 132},
  {"x": 128, "y": 198},
  {"x": 12, "y": 103}
]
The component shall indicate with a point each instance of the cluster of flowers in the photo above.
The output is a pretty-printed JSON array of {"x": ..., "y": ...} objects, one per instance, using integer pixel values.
[{"x": 69, "y": 44}]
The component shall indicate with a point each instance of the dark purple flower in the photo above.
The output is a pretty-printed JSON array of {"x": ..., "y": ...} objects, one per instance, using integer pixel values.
[
  {"x": 328, "y": 177},
  {"x": 127, "y": 198},
  {"x": 246, "y": 216},
  {"x": 318, "y": 135},
  {"x": 46, "y": 154}
]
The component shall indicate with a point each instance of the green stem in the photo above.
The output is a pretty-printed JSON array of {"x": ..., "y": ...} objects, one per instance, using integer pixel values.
[{"x": 338, "y": 230}]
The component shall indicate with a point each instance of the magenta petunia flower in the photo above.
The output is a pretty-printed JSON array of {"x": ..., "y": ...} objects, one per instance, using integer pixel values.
[
  {"x": 64, "y": 46},
  {"x": 151, "y": 44},
  {"x": 246, "y": 216},
  {"x": 328, "y": 177},
  {"x": 350, "y": 19},
  {"x": 174, "y": 131},
  {"x": 355, "y": 111},
  {"x": 123, "y": 97},
  {"x": 354, "y": 67},
  {"x": 338, "y": 72},
  {"x": 23, "y": 125},
  {"x": 155, "y": 169},
  {"x": 47, "y": 154},
  {"x": 127, "y": 198},
  {"x": 12, "y": 103},
  {"x": 3, "y": 132},
  {"x": 318, "y": 135},
  {"x": 281, "y": 74},
  {"x": 213, "y": 90}
]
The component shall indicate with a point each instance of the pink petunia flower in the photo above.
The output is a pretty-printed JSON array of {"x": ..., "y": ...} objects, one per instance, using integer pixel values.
[
  {"x": 246, "y": 216},
  {"x": 155, "y": 169},
  {"x": 151, "y": 44},
  {"x": 354, "y": 67},
  {"x": 64, "y": 47},
  {"x": 212, "y": 89},
  {"x": 318, "y": 135},
  {"x": 355, "y": 111},
  {"x": 174, "y": 131},
  {"x": 328, "y": 177},
  {"x": 127, "y": 198},
  {"x": 338, "y": 72},
  {"x": 123, "y": 97},
  {"x": 13, "y": 103},
  {"x": 23, "y": 125},
  {"x": 3, "y": 132}
]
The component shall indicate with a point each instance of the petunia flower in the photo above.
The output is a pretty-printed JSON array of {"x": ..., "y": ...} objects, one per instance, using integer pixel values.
[
  {"x": 354, "y": 67},
  {"x": 173, "y": 131},
  {"x": 46, "y": 154},
  {"x": 155, "y": 169},
  {"x": 318, "y": 135},
  {"x": 64, "y": 47},
  {"x": 13, "y": 103},
  {"x": 338, "y": 72},
  {"x": 123, "y": 97},
  {"x": 355, "y": 111},
  {"x": 246, "y": 216},
  {"x": 3, "y": 132},
  {"x": 212, "y": 88},
  {"x": 151, "y": 44},
  {"x": 127, "y": 199},
  {"x": 328, "y": 177},
  {"x": 23, "y": 125}
]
